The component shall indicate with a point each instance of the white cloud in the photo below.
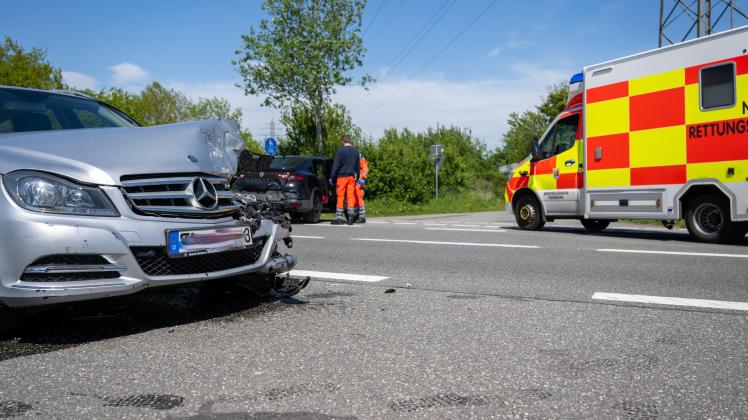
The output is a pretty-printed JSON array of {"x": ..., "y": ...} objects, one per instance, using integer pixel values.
[
  {"x": 127, "y": 73},
  {"x": 494, "y": 52},
  {"x": 79, "y": 80},
  {"x": 516, "y": 41},
  {"x": 481, "y": 106}
]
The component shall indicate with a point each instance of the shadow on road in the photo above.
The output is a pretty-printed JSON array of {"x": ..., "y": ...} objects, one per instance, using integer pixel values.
[
  {"x": 71, "y": 325},
  {"x": 625, "y": 232}
]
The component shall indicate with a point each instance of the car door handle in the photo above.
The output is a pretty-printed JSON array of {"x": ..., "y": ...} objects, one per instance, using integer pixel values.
[
  {"x": 570, "y": 162},
  {"x": 555, "y": 172}
]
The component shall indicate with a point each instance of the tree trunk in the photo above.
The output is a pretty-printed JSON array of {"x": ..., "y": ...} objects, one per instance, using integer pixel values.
[{"x": 318, "y": 128}]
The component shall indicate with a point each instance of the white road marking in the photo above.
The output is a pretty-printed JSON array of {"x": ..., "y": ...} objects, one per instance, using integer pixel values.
[
  {"x": 445, "y": 243},
  {"x": 333, "y": 226},
  {"x": 406, "y": 223},
  {"x": 435, "y": 224},
  {"x": 689, "y": 254},
  {"x": 307, "y": 237},
  {"x": 337, "y": 276},
  {"x": 473, "y": 226},
  {"x": 661, "y": 300},
  {"x": 375, "y": 222},
  {"x": 468, "y": 230}
]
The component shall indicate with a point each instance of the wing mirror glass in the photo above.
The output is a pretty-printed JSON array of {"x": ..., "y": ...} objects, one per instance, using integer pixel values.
[{"x": 535, "y": 148}]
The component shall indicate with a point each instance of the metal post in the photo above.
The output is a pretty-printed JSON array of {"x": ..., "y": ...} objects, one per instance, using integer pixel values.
[
  {"x": 708, "y": 17},
  {"x": 699, "y": 34},
  {"x": 662, "y": 10},
  {"x": 437, "y": 177}
]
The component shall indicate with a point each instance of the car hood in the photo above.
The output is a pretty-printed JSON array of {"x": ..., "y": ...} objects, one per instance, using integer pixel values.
[{"x": 103, "y": 155}]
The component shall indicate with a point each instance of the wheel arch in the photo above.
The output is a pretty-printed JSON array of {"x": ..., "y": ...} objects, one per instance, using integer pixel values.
[
  {"x": 704, "y": 186},
  {"x": 522, "y": 192}
]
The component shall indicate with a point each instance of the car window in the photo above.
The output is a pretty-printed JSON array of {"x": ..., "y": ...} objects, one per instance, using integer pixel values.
[
  {"x": 287, "y": 163},
  {"x": 717, "y": 86},
  {"x": 30, "y": 110},
  {"x": 319, "y": 169}
]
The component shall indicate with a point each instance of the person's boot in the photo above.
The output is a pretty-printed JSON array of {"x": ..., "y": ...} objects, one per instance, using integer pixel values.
[
  {"x": 352, "y": 216},
  {"x": 361, "y": 216},
  {"x": 339, "y": 220}
]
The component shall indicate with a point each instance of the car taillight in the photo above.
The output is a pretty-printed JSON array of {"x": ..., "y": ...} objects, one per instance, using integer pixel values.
[{"x": 295, "y": 178}]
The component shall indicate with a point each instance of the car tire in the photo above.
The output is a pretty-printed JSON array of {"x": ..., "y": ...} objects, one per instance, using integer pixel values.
[
  {"x": 314, "y": 215},
  {"x": 595, "y": 225},
  {"x": 708, "y": 220},
  {"x": 528, "y": 213},
  {"x": 296, "y": 217}
]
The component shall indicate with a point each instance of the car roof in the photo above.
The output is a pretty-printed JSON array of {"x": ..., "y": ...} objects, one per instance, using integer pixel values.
[{"x": 68, "y": 92}]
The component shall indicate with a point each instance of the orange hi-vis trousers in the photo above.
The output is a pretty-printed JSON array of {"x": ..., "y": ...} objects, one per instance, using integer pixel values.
[
  {"x": 345, "y": 191},
  {"x": 359, "y": 193}
]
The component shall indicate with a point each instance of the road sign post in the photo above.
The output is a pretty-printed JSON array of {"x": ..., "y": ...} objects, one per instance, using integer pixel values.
[{"x": 437, "y": 155}]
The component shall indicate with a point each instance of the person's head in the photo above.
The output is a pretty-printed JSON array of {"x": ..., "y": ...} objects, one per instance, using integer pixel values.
[{"x": 346, "y": 141}]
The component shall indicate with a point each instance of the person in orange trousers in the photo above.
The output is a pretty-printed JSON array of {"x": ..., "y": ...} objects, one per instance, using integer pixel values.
[
  {"x": 360, "y": 210},
  {"x": 345, "y": 172}
]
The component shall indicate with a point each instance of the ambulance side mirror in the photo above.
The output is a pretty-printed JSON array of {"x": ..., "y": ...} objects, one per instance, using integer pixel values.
[{"x": 535, "y": 148}]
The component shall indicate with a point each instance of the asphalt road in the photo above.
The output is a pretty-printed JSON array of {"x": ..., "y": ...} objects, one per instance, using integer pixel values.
[{"x": 433, "y": 316}]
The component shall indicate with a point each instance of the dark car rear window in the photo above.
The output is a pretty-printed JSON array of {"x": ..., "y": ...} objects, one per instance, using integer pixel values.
[{"x": 289, "y": 163}]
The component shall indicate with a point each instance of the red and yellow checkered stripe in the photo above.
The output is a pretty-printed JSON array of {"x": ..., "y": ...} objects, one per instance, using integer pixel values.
[{"x": 652, "y": 131}]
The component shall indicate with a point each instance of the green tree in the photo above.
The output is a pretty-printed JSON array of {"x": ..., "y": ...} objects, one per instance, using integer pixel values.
[
  {"x": 27, "y": 69},
  {"x": 301, "y": 53},
  {"x": 528, "y": 126},
  {"x": 301, "y": 130}
]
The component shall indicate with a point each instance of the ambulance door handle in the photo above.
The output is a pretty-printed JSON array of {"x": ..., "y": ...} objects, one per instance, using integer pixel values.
[
  {"x": 570, "y": 162},
  {"x": 555, "y": 173}
]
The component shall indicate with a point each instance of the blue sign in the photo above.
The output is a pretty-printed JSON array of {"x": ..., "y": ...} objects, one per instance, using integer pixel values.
[{"x": 271, "y": 146}]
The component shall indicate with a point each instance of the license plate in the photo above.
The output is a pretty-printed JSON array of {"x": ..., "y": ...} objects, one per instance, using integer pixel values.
[{"x": 187, "y": 243}]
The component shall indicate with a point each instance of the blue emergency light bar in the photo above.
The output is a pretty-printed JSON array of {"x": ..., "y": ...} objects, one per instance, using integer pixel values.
[{"x": 579, "y": 77}]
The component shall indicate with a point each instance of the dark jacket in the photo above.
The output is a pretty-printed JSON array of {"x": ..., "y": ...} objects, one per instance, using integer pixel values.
[{"x": 346, "y": 162}]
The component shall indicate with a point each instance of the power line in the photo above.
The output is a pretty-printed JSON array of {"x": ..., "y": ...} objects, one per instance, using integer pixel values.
[
  {"x": 425, "y": 29},
  {"x": 371, "y": 22},
  {"x": 436, "y": 56}
]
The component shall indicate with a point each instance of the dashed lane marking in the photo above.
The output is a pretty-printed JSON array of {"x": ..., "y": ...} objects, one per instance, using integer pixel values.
[
  {"x": 378, "y": 223},
  {"x": 406, "y": 223},
  {"x": 307, "y": 237},
  {"x": 468, "y": 230},
  {"x": 446, "y": 243},
  {"x": 689, "y": 254},
  {"x": 337, "y": 276},
  {"x": 466, "y": 226},
  {"x": 435, "y": 224},
  {"x": 661, "y": 300}
]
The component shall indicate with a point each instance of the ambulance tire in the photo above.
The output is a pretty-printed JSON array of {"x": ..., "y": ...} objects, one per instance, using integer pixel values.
[
  {"x": 528, "y": 213},
  {"x": 595, "y": 225},
  {"x": 708, "y": 220}
]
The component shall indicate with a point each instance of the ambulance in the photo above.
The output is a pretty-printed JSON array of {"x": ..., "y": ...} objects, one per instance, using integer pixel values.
[{"x": 659, "y": 135}]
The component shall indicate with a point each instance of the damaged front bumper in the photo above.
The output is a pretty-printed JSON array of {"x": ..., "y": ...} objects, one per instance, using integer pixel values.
[{"x": 49, "y": 258}]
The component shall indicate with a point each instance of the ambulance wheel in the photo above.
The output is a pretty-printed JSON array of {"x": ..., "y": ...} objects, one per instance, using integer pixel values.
[
  {"x": 708, "y": 220},
  {"x": 595, "y": 225},
  {"x": 528, "y": 213}
]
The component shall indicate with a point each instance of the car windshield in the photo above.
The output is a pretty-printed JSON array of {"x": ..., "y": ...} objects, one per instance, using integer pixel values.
[
  {"x": 30, "y": 110},
  {"x": 286, "y": 163}
]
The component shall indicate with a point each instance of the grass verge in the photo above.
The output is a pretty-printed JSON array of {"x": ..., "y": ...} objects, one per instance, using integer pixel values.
[{"x": 449, "y": 203}]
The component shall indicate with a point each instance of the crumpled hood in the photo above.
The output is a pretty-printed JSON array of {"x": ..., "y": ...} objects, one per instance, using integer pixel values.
[{"x": 103, "y": 155}]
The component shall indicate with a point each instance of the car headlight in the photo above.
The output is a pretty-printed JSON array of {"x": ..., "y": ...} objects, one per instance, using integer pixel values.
[{"x": 46, "y": 193}]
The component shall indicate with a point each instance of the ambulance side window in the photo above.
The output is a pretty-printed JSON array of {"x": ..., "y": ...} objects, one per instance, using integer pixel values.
[
  {"x": 717, "y": 86},
  {"x": 560, "y": 138}
]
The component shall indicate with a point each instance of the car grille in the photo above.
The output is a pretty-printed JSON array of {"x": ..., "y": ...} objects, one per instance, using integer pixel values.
[
  {"x": 155, "y": 262},
  {"x": 179, "y": 195}
]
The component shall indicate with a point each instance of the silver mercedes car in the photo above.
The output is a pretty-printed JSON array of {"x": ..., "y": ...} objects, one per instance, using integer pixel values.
[{"x": 93, "y": 205}]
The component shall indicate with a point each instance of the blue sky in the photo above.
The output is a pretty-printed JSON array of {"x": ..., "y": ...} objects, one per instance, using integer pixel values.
[{"x": 501, "y": 64}]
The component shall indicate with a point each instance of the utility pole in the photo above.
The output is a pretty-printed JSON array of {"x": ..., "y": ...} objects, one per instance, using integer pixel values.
[{"x": 686, "y": 19}]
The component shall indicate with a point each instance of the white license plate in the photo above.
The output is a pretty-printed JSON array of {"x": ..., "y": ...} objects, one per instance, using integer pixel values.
[{"x": 187, "y": 243}]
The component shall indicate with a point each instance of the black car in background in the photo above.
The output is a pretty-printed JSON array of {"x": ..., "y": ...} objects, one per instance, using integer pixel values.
[{"x": 296, "y": 184}]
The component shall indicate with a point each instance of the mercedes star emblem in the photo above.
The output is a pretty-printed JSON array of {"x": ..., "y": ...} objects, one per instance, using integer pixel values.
[{"x": 204, "y": 193}]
